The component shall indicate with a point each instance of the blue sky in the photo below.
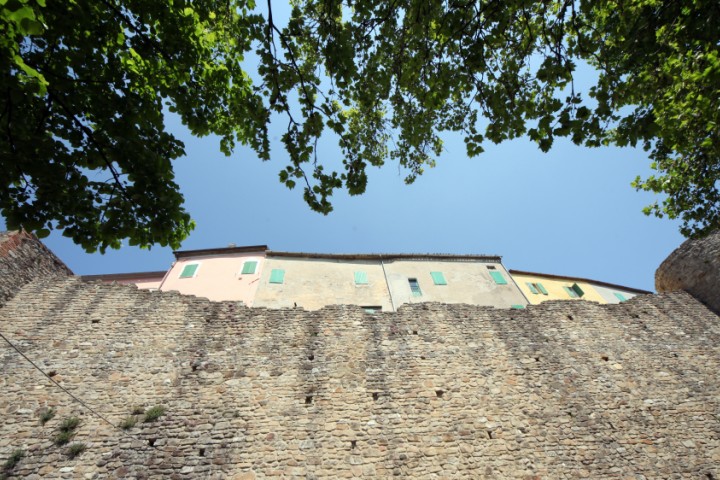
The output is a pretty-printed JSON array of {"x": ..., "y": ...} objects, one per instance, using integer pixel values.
[{"x": 568, "y": 212}]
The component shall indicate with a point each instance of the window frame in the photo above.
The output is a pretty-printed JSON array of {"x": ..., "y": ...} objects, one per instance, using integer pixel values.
[{"x": 415, "y": 289}]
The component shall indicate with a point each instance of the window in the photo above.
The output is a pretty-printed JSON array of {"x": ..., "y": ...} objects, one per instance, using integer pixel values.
[
  {"x": 574, "y": 291},
  {"x": 518, "y": 307},
  {"x": 372, "y": 308},
  {"x": 498, "y": 277},
  {"x": 415, "y": 287},
  {"x": 620, "y": 296},
  {"x": 536, "y": 288},
  {"x": 438, "y": 278},
  {"x": 361, "y": 278},
  {"x": 249, "y": 268},
  {"x": 277, "y": 275},
  {"x": 189, "y": 270}
]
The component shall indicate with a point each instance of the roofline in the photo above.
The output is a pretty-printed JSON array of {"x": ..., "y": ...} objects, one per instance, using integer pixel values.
[
  {"x": 218, "y": 251},
  {"x": 385, "y": 256},
  {"x": 123, "y": 276},
  {"x": 579, "y": 279}
]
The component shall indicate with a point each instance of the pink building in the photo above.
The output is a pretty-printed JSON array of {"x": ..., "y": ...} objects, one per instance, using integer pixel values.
[{"x": 231, "y": 273}]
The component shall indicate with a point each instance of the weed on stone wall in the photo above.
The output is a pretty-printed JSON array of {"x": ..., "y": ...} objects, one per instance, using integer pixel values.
[
  {"x": 128, "y": 422},
  {"x": 76, "y": 449},
  {"x": 46, "y": 415},
  {"x": 12, "y": 461},
  {"x": 154, "y": 413},
  {"x": 66, "y": 430}
]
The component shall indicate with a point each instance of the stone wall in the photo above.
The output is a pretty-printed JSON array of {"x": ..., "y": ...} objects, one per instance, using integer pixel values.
[
  {"x": 695, "y": 268},
  {"x": 23, "y": 258},
  {"x": 559, "y": 390}
]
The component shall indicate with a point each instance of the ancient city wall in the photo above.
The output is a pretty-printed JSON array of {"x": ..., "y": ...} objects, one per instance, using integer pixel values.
[
  {"x": 22, "y": 259},
  {"x": 559, "y": 390}
]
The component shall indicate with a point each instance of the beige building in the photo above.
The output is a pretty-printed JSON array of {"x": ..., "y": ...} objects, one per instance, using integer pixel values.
[{"x": 384, "y": 281}]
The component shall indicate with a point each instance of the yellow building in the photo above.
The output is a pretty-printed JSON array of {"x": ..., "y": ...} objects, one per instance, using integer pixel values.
[{"x": 540, "y": 287}]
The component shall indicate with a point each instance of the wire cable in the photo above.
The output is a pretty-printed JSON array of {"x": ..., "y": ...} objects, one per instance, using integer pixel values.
[{"x": 71, "y": 395}]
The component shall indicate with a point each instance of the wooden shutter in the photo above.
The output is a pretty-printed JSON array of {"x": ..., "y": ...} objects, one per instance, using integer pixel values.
[
  {"x": 498, "y": 277},
  {"x": 277, "y": 275},
  {"x": 249, "y": 268},
  {"x": 438, "y": 278},
  {"x": 189, "y": 270},
  {"x": 361, "y": 278}
]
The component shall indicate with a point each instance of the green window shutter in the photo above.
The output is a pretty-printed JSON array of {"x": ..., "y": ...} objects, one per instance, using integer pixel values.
[
  {"x": 361, "y": 278},
  {"x": 531, "y": 287},
  {"x": 438, "y": 278},
  {"x": 189, "y": 270},
  {"x": 620, "y": 296},
  {"x": 572, "y": 293},
  {"x": 498, "y": 277},
  {"x": 518, "y": 307},
  {"x": 541, "y": 288},
  {"x": 277, "y": 275},
  {"x": 578, "y": 290},
  {"x": 249, "y": 268}
]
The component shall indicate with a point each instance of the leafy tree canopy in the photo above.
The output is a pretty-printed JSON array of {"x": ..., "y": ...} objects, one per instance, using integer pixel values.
[{"x": 83, "y": 85}]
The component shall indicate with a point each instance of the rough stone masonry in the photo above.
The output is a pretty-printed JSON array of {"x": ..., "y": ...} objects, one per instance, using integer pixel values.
[{"x": 559, "y": 390}]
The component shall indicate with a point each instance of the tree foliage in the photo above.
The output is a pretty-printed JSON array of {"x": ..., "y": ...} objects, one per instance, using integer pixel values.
[{"x": 83, "y": 147}]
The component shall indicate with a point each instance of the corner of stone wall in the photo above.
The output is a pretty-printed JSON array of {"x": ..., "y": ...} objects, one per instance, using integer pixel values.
[
  {"x": 24, "y": 258},
  {"x": 695, "y": 268}
]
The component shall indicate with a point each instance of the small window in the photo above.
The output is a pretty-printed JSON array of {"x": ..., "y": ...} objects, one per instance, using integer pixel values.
[
  {"x": 249, "y": 268},
  {"x": 277, "y": 275},
  {"x": 372, "y": 308},
  {"x": 536, "y": 288},
  {"x": 620, "y": 296},
  {"x": 189, "y": 270},
  {"x": 438, "y": 278},
  {"x": 498, "y": 277},
  {"x": 361, "y": 278},
  {"x": 518, "y": 307},
  {"x": 490, "y": 267},
  {"x": 415, "y": 287}
]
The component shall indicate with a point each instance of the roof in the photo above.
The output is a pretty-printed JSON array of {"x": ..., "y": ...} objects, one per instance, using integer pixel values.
[
  {"x": 387, "y": 256},
  {"x": 218, "y": 251},
  {"x": 579, "y": 279},
  {"x": 110, "y": 277}
]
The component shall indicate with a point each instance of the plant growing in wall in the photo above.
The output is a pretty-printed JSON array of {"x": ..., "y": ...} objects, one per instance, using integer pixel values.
[
  {"x": 12, "y": 461},
  {"x": 128, "y": 422},
  {"x": 154, "y": 413},
  {"x": 66, "y": 430},
  {"x": 76, "y": 449},
  {"x": 46, "y": 415}
]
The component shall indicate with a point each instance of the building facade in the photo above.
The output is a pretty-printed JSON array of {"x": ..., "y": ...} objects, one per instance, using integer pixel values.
[
  {"x": 260, "y": 277},
  {"x": 541, "y": 287}
]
